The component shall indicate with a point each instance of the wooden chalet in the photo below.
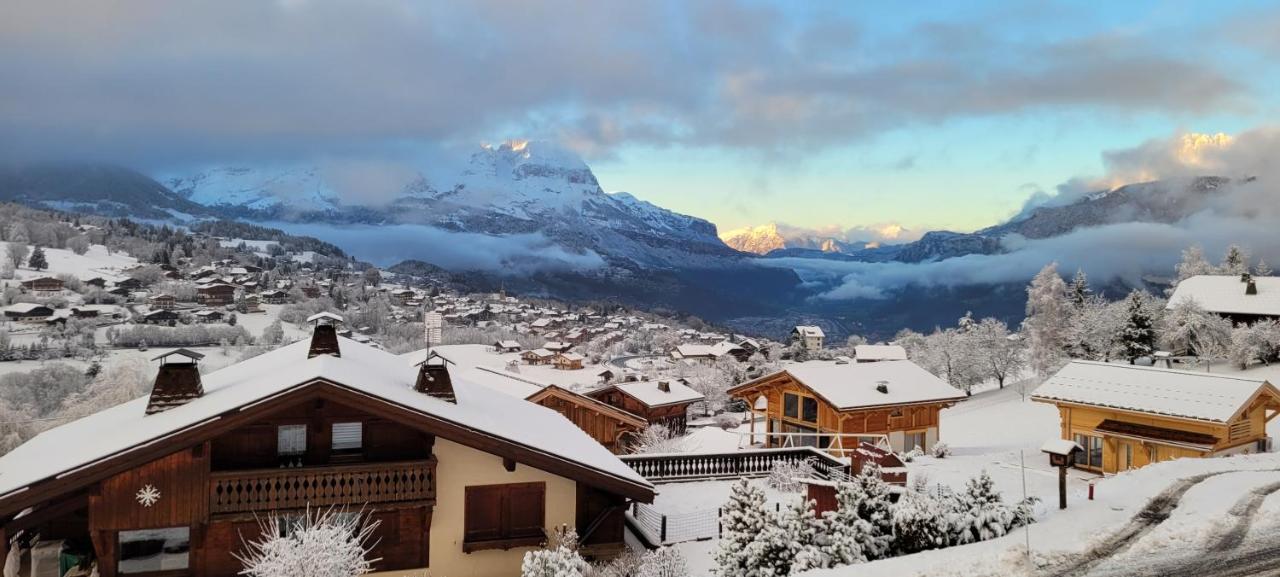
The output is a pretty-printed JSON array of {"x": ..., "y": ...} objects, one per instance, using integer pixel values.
[
  {"x": 27, "y": 312},
  {"x": 131, "y": 284},
  {"x": 836, "y": 406},
  {"x": 44, "y": 284},
  {"x": 567, "y": 361},
  {"x": 1242, "y": 299},
  {"x": 1126, "y": 416},
  {"x": 608, "y": 425},
  {"x": 161, "y": 317},
  {"x": 657, "y": 402},
  {"x": 506, "y": 346},
  {"x": 163, "y": 302},
  {"x": 216, "y": 294},
  {"x": 274, "y": 297},
  {"x": 173, "y": 483},
  {"x": 537, "y": 357}
]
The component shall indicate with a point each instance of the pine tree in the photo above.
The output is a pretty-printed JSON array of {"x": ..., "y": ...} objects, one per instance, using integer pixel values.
[
  {"x": 919, "y": 524},
  {"x": 807, "y": 538},
  {"x": 1234, "y": 262},
  {"x": 742, "y": 520},
  {"x": 1080, "y": 291},
  {"x": 37, "y": 260},
  {"x": 1193, "y": 263},
  {"x": 1262, "y": 268},
  {"x": 986, "y": 517},
  {"x": 875, "y": 506},
  {"x": 663, "y": 562},
  {"x": 1138, "y": 338},
  {"x": 848, "y": 534}
]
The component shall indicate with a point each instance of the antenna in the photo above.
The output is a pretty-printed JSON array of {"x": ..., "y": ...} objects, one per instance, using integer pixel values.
[{"x": 433, "y": 328}]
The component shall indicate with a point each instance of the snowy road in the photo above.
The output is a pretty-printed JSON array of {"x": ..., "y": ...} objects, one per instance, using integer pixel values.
[{"x": 1140, "y": 549}]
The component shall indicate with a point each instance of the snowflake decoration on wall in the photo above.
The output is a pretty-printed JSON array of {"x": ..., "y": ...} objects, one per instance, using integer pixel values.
[{"x": 148, "y": 495}]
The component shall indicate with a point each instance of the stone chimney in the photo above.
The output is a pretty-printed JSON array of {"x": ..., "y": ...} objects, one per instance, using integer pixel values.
[
  {"x": 178, "y": 381},
  {"x": 1251, "y": 288},
  {"x": 664, "y": 386},
  {"x": 434, "y": 380},
  {"x": 324, "y": 339}
]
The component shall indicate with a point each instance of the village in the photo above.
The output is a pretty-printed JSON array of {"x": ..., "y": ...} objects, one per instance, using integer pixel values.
[{"x": 157, "y": 397}]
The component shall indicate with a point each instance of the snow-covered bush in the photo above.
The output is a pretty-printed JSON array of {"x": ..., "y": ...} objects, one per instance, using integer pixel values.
[
  {"x": 655, "y": 438},
  {"x": 940, "y": 450},
  {"x": 919, "y": 523},
  {"x": 559, "y": 559},
  {"x": 911, "y": 455},
  {"x": 728, "y": 422},
  {"x": 785, "y": 476},
  {"x": 330, "y": 543},
  {"x": 626, "y": 564},
  {"x": 663, "y": 562}
]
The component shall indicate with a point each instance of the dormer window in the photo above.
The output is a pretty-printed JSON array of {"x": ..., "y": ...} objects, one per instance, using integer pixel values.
[{"x": 291, "y": 443}]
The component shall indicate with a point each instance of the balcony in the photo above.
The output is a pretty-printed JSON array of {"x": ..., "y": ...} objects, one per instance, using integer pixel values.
[{"x": 262, "y": 490}]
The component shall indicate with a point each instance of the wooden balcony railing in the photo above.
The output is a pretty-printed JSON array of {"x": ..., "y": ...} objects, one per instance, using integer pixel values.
[
  {"x": 356, "y": 485},
  {"x": 730, "y": 465}
]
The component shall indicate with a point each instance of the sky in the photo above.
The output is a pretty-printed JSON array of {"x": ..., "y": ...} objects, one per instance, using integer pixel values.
[{"x": 928, "y": 115}]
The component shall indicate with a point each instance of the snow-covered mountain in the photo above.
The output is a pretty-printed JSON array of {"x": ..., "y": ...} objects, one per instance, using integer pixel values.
[{"x": 767, "y": 238}]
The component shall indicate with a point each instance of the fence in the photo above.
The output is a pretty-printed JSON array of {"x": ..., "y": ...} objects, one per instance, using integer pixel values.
[{"x": 669, "y": 467}]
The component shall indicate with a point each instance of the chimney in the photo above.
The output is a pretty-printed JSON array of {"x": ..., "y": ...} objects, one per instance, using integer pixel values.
[
  {"x": 664, "y": 386},
  {"x": 324, "y": 339},
  {"x": 434, "y": 380},
  {"x": 177, "y": 383},
  {"x": 1245, "y": 277},
  {"x": 882, "y": 386},
  {"x": 1251, "y": 288}
]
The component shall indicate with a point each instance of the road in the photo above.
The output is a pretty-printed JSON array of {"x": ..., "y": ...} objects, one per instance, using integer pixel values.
[
  {"x": 621, "y": 362},
  {"x": 1225, "y": 556}
]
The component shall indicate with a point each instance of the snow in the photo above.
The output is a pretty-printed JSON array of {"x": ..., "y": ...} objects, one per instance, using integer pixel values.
[
  {"x": 362, "y": 368},
  {"x": 880, "y": 353},
  {"x": 470, "y": 356},
  {"x": 853, "y": 385},
  {"x": 648, "y": 393},
  {"x": 1226, "y": 294},
  {"x": 95, "y": 263},
  {"x": 1195, "y": 395},
  {"x": 258, "y": 245}
]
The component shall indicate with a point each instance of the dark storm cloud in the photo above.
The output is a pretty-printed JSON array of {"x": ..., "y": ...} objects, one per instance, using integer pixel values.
[{"x": 155, "y": 82}]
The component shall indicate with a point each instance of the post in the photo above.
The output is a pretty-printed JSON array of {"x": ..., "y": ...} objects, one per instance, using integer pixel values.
[
  {"x": 664, "y": 531},
  {"x": 1062, "y": 488}
]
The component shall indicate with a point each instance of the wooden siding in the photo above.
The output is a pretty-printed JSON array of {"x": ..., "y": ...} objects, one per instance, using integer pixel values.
[
  {"x": 180, "y": 478},
  {"x": 605, "y": 428}
]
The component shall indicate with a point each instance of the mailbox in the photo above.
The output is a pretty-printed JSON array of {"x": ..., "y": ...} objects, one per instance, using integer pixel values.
[{"x": 1062, "y": 454}]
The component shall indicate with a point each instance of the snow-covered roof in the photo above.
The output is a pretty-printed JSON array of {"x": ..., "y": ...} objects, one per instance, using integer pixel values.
[
  {"x": 1187, "y": 394},
  {"x": 648, "y": 392},
  {"x": 1226, "y": 294},
  {"x": 1060, "y": 446},
  {"x": 361, "y": 368},
  {"x": 858, "y": 385},
  {"x": 808, "y": 331},
  {"x": 880, "y": 353},
  {"x": 512, "y": 384},
  {"x": 23, "y": 308}
]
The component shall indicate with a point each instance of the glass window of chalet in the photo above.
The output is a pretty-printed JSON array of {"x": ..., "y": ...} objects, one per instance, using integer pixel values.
[
  {"x": 154, "y": 550},
  {"x": 291, "y": 440},
  {"x": 809, "y": 409},
  {"x": 504, "y": 516},
  {"x": 791, "y": 406},
  {"x": 1092, "y": 456},
  {"x": 913, "y": 440},
  {"x": 348, "y": 438}
]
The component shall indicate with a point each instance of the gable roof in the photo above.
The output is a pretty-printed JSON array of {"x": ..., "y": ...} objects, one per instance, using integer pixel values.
[
  {"x": 1185, "y": 394},
  {"x": 855, "y": 385},
  {"x": 808, "y": 331},
  {"x": 598, "y": 406},
  {"x": 647, "y": 392},
  {"x": 1225, "y": 294},
  {"x": 362, "y": 370}
]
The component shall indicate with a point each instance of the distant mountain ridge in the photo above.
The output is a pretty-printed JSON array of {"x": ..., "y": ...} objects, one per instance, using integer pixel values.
[{"x": 770, "y": 237}]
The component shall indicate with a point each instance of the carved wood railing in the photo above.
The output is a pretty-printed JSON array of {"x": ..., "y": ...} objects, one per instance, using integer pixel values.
[
  {"x": 731, "y": 465},
  {"x": 356, "y": 485}
]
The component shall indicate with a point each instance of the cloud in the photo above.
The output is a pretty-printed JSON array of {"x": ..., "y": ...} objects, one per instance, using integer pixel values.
[
  {"x": 155, "y": 84},
  {"x": 386, "y": 245},
  {"x": 1242, "y": 211}
]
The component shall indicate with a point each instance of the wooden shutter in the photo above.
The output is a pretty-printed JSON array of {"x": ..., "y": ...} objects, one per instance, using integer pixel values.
[
  {"x": 348, "y": 436},
  {"x": 483, "y": 513},
  {"x": 525, "y": 509},
  {"x": 495, "y": 512}
]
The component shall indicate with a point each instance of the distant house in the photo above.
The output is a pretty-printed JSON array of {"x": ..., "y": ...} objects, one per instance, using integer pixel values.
[
  {"x": 216, "y": 294},
  {"x": 808, "y": 336},
  {"x": 606, "y": 376},
  {"x": 160, "y": 317},
  {"x": 95, "y": 311},
  {"x": 163, "y": 302},
  {"x": 44, "y": 284},
  {"x": 311, "y": 292},
  {"x": 210, "y": 316},
  {"x": 608, "y": 425},
  {"x": 27, "y": 312},
  {"x": 1242, "y": 299},
  {"x": 97, "y": 282},
  {"x": 657, "y": 402},
  {"x": 274, "y": 297},
  {"x": 537, "y": 357},
  {"x": 557, "y": 347},
  {"x": 131, "y": 284},
  {"x": 836, "y": 406},
  {"x": 1127, "y": 416},
  {"x": 708, "y": 354},
  {"x": 506, "y": 346},
  {"x": 567, "y": 361},
  {"x": 875, "y": 353}
]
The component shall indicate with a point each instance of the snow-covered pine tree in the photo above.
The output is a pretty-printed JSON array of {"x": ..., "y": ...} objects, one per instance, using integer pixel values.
[
  {"x": 1080, "y": 291},
  {"x": 663, "y": 562},
  {"x": 807, "y": 536},
  {"x": 1193, "y": 263},
  {"x": 1138, "y": 338},
  {"x": 983, "y": 513},
  {"x": 848, "y": 534},
  {"x": 875, "y": 506},
  {"x": 38, "y": 261},
  {"x": 1262, "y": 268},
  {"x": 1047, "y": 319},
  {"x": 918, "y": 524},
  {"x": 742, "y": 519},
  {"x": 1189, "y": 329},
  {"x": 560, "y": 559}
]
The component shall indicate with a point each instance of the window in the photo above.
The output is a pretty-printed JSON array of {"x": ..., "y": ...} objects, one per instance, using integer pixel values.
[
  {"x": 1092, "y": 455},
  {"x": 291, "y": 440},
  {"x": 809, "y": 410},
  {"x": 800, "y": 436},
  {"x": 504, "y": 516},
  {"x": 913, "y": 440},
  {"x": 348, "y": 437},
  {"x": 154, "y": 550},
  {"x": 791, "y": 405}
]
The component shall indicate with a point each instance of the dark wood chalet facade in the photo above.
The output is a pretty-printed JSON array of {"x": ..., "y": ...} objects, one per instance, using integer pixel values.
[
  {"x": 169, "y": 485},
  {"x": 663, "y": 403},
  {"x": 608, "y": 425}
]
